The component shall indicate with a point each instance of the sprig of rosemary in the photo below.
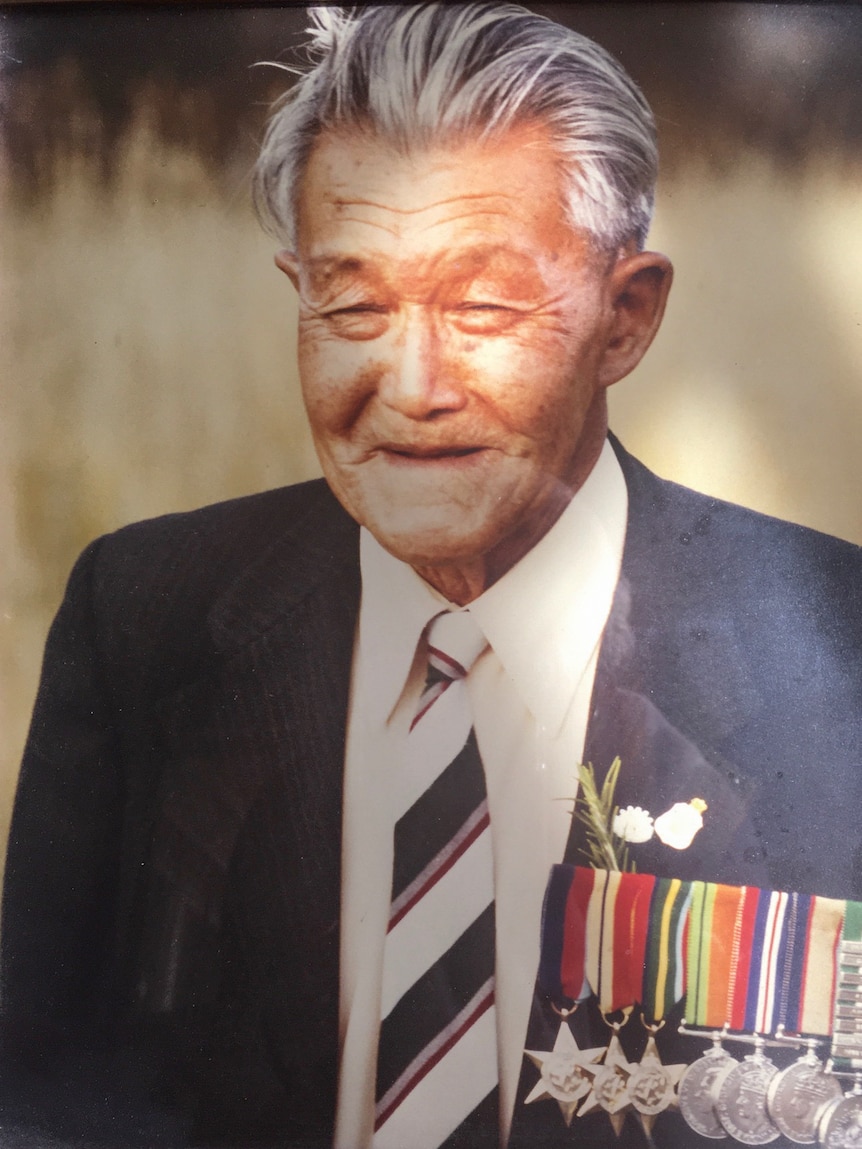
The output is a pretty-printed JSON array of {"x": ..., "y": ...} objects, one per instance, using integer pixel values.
[{"x": 596, "y": 810}]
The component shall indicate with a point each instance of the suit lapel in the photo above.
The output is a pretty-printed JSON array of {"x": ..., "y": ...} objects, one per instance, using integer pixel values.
[
  {"x": 671, "y": 688},
  {"x": 656, "y": 699}
]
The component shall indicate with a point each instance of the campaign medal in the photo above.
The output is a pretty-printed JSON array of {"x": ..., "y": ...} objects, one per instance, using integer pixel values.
[
  {"x": 695, "y": 1090},
  {"x": 617, "y": 926},
  {"x": 718, "y": 924},
  {"x": 766, "y": 924},
  {"x": 609, "y": 1091},
  {"x": 802, "y": 1001},
  {"x": 652, "y": 1086},
  {"x": 847, "y": 1010},
  {"x": 565, "y": 1072},
  {"x": 739, "y": 1094},
  {"x": 796, "y": 1096},
  {"x": 840, "y": 1122},
  {"x": 732, "y": 966}
]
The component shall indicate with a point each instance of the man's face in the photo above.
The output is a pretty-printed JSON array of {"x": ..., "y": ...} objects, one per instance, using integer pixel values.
[{"x": 452, "y": 337}]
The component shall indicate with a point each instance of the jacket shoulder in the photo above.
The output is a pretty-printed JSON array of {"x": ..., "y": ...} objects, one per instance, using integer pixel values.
[
  {"x": 733, "y": 541},
  {"x": 150, "y": 588},
  {"x": 224, "y": 528},
  {"x": 706, "y": 575}
]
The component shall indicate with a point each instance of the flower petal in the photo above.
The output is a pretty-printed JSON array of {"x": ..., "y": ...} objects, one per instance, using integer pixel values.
[{"x": 678, "y": 826}]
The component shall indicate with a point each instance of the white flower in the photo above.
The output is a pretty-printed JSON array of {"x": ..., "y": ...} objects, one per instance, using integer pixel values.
[
  {"x": 633, "y": 824},
  {"x": 678, "y": 826}
]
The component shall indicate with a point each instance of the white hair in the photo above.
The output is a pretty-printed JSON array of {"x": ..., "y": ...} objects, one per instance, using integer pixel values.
[{"x": 427, "y": 74}]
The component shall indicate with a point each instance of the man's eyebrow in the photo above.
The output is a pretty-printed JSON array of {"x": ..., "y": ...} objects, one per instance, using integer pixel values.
[
  {"x": 331, "y": 266},
  {"x": 474, "y": 259},
  {"x": 461, "y": 196}
]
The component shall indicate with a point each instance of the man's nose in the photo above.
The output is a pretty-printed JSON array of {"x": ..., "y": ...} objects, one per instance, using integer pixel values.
[{"x": 420, "y": 378}]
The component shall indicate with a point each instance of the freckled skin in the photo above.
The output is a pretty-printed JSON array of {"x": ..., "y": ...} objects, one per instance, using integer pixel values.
[{"x": 456, "y": 341}]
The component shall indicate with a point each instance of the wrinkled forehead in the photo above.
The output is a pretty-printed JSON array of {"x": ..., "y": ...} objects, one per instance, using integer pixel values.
[{"x": 506, "y": 185}]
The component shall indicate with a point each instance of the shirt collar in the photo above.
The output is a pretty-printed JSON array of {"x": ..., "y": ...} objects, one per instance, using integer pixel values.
[
  {"x": 543, "y": 618},
  {"x": 396, "y": 606}
]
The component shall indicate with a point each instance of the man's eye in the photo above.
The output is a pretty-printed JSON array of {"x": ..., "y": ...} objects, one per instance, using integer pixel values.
[
  {"x": 358, "y": 321},
  {"x": 485, "y": 318}
]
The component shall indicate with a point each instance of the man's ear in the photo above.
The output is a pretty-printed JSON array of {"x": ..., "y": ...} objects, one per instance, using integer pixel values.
[
  {"x": 639, "y": 286},
  {"x": 287, "y": 262}
]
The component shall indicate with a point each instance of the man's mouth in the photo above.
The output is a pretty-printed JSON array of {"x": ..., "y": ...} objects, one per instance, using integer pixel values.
[{"x": 428, "y": 454}]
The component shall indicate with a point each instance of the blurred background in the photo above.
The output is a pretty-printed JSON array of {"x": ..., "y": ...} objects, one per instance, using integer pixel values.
[{"x": 147, "y": 341}]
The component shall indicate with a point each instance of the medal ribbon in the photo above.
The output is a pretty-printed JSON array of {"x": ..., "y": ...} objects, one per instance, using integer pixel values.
[
  {"x": 631, "y": 922},
  {"x": 617, "y": 925},
  {"x": 847, "y": 1024},
  {"x": 757, "y": 959},
  {"x": 718, "y": 953},
  {"x": 612, "y": 911},
  {"x": 799, "y": 918},
  {"x": 600, "y": 917},
  {"x": 817, "y": 982},
  {"x": 664, "y": 969},
  {"x": 763, "y": 975},
  {"x": 562, "y": 965}
]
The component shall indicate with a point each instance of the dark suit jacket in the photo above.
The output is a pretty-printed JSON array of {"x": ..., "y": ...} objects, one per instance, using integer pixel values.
[{"x": 171, "y": 912}]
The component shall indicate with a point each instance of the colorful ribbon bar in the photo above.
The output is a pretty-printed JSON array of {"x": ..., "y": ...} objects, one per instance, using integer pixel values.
[{"x": 749, "y": 958}]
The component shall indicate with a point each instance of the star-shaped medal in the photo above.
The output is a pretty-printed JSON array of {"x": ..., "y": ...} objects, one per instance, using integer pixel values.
[
  {"x": 652, "y": 1086},
  {"x": 609, "y": 1090},
  {"x": 566, "y": 1072}
]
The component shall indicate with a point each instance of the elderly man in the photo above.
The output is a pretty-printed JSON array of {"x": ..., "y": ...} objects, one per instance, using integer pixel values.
[{"x": 296, "y": 774}]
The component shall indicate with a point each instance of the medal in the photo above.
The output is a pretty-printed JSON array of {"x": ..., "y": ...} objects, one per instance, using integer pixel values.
[
  {"x": 652, "y": 1085},
  {"x": 695, "y": 1086},
  {"x": 739, "y": 1095},
  {"x": 737, "y": 941},
  {"x": 805, "y": 1101},
  {"x": 566, "y": 1071},
  {"x": 618, "y": 915},
  {"x": 767, "y": 923},
  {"x": 797, "y": 1095},
  {"x": 840, "y": 1122},
  {"x": 609, "y": 1091},
  {"x": 847, "y": 1010},
  {"x": 721, "y": 927},
  {"x": 754, "y": 962}
]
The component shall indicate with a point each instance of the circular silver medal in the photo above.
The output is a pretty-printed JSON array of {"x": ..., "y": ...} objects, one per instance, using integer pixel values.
[
  {"x": 740, "y": 1100},
  {"x": 796, "y": 1096},
  {"x": 696, "y": 1102},
  {"x": 840, "y": 1123}
]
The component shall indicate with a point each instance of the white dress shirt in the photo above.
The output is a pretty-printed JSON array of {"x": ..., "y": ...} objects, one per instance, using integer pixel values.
[{"x": 530, "y": 695}]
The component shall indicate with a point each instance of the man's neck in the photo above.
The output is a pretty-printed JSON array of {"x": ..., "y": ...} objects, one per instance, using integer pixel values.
[{"x": 461, "y": 582}]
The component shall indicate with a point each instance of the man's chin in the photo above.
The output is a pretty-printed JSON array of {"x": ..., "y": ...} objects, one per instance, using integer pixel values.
[{"x": 429, "y": 540}]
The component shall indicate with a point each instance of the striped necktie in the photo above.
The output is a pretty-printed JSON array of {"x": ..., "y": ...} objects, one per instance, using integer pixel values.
[{"x": 437, "y": 1058}]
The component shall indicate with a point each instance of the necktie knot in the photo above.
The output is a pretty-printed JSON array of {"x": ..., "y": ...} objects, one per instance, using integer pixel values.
[{"x": 455, "y": 641}]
